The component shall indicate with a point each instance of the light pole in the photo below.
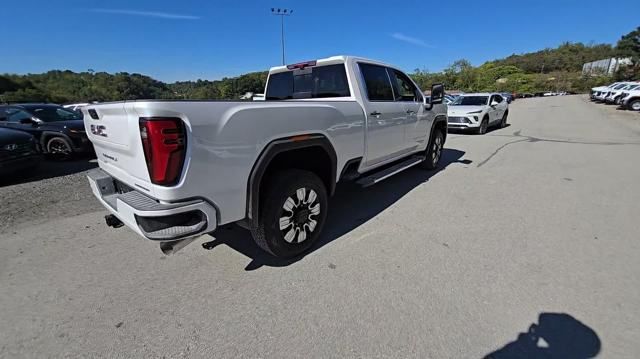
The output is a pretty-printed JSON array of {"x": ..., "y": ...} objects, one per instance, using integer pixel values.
[{"x": 282, "y": 13}]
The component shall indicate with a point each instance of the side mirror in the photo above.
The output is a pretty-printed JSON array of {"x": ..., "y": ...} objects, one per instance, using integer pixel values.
[
  {"x": 437, "y": 94},
  {"x": 494, "y": 103}
]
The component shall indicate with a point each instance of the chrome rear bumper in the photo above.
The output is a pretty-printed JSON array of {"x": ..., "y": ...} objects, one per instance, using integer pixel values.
[{"x": 149, "y": 217}]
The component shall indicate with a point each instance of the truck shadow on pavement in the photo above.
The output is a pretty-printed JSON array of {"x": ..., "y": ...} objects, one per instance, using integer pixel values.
[
  {"x": 555, "y": 336},
  {"x": 351, "y": 207}
]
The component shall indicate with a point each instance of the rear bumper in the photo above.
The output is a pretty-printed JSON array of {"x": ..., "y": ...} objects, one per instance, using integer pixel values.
[{"x": 151, "y": 218}]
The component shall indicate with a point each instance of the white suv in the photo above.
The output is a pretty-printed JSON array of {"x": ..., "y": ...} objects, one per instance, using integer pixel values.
[
  {"x": 601, "y": 95},
  {"x": 597, "y": 92},
  {"x": 478, "y": 111},
  {"x": 613, "y": 96}
]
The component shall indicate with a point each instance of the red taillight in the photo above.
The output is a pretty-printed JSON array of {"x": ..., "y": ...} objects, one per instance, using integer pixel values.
[{"x": 163, "y": 141}]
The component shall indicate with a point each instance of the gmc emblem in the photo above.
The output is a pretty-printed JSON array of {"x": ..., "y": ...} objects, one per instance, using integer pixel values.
[{"x": 99, "y": 130}]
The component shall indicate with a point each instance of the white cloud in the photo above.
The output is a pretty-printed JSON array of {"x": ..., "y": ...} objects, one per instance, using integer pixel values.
[
  {"x": 162, "y": 15},
  {"x": 410, "y": 40}
]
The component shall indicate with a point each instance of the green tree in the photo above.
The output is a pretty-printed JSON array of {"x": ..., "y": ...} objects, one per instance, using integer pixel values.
[{"x": 629, "y": 47}]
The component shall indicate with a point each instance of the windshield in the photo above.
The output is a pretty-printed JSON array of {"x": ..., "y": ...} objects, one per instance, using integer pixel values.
[
  {"x": 619, "y": 87},
  {"x": 53, "y": 114},
  {"x": 470, "y": 101}
]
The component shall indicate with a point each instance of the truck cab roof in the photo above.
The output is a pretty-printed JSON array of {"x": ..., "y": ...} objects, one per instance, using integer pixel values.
[{"x": 339, "y": 59}]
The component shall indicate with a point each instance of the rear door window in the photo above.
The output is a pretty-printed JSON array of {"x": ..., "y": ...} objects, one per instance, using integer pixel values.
[
  {"x": 311, "y": 82},
  {"x": 377, "y": 82}
]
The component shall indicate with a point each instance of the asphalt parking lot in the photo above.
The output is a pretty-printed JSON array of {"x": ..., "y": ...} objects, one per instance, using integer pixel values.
[{"x": 526, "y": 242}]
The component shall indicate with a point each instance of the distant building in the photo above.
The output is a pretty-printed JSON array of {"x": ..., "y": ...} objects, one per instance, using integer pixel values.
[{"x": 604, "y": 67}]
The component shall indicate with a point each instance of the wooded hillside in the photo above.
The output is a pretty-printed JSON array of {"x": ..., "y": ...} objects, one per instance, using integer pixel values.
[{"x": 557, "y": 69}]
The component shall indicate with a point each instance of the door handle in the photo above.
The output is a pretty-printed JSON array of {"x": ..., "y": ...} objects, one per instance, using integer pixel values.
[
  {"x": 375, "y": 113},
  {"x": 410, "y": 112}
]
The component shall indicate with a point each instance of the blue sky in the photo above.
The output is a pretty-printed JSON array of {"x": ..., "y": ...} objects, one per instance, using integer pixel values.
[{"x": 184, "y": 40}]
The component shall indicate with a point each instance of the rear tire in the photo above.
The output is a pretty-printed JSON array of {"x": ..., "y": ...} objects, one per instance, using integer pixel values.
[
  {"x": 434, "y": 151},
  {"x": 634, "y": 105},
  {"x": 292, "y": 213},
  {"x": 59, "y": 148}
]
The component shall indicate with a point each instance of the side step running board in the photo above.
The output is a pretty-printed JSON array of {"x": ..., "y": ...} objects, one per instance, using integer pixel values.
[{"x": 389, "y": 171}]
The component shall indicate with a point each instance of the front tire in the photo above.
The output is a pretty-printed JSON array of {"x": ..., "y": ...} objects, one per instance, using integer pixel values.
[
  {"x": 503, "y": 122},
  {"x": 434, "y": 151},
  {"x": 483, "y": 126},
  {"x": 634, "y": 105},
  {"x": 292, "y": 213}
]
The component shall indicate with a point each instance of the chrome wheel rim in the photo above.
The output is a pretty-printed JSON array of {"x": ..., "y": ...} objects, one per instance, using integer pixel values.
[
  {"x": 59, "y": 148},
  {"x": 436, "y": 151},
  {"x": 299, "y": 215},
  {"x": 635, "y": 106}
]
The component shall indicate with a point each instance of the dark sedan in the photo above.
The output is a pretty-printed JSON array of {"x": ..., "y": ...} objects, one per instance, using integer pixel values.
[
  {"x": 59, "y": 131},
  {"x": 18, "y": 153}
]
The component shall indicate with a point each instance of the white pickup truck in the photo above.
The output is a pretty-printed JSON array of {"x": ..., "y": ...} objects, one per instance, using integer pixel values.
[{"x": 173, "y": 170}]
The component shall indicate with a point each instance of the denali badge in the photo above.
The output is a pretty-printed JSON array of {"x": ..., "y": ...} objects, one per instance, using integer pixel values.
[
  {"x": 99, "y": 130},
  {"x": 114, "y": 159}
]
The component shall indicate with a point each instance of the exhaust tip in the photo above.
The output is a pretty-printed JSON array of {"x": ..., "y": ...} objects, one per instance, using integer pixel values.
[
  {"x": 113, "y": 221},
  {"x": 172, "y": 247}
]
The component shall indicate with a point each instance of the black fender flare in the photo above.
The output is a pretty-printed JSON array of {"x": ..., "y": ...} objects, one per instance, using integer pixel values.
[
  {"x": 276, "y": 147},
  {"x": 439, "y": 119}
]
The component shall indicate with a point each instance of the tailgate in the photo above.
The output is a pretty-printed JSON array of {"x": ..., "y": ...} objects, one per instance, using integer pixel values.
[{"x": 114, "y": 131}]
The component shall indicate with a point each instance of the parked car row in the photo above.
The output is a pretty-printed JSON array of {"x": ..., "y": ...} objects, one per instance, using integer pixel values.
[
  {"x": 30, "y": 131},
  {"x": 623, "y": 94}
]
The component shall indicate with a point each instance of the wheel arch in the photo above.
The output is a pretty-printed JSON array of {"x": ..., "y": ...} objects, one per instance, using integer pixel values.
[
  {"x": 48, "y": 135},
  {"x": 440, "y": 122},
  {"x": 631, "y": 101},
  {"x": 287, "y": 149}
]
